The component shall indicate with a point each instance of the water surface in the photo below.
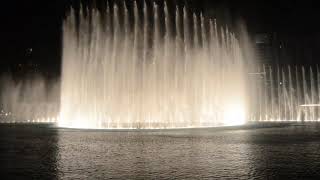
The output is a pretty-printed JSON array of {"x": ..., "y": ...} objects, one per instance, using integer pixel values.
[{"x": 38, "y": 152}]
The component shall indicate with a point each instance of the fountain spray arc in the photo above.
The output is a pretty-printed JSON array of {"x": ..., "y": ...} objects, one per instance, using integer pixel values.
[{"x": 150, "y": 66}]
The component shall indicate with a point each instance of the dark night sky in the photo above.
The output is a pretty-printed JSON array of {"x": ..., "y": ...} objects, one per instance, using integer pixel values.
[{"x": 36, "y": 24}]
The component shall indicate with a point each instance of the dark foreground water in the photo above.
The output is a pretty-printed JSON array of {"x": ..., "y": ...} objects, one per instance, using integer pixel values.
[{"x": 42, "y": 152}]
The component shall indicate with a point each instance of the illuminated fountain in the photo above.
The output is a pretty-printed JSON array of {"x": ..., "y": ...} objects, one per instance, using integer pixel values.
[
  {"x": 149, "y": 67},
  {"x": 287, "y": 93},
  {"x": 191, "y": 74},
  {"x": 29, "y": 100}
]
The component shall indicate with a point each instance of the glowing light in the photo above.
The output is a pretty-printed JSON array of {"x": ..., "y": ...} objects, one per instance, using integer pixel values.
[
  {"x": 79, "y": 123},
  {"x": 234, "y": 114},
  {"x": 310, "y": 105}
]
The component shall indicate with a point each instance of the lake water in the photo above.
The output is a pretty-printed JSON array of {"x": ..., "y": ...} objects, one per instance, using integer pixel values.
[{"x": 45, "y": 152}]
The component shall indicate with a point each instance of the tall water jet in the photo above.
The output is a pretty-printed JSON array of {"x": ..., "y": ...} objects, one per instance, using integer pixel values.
[
  {"x": 33, "y": 99},
  {"x": 192, "y": 74},
  {"x": 288, "y": 94}
]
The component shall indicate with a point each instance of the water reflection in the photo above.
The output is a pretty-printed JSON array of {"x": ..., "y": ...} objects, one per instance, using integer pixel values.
[
  {"x": 39, "y": 152},
  {"x": 28, "y": 151},
  {"x": 280, "y": 154},
  {"x": 162, "y": 154}
]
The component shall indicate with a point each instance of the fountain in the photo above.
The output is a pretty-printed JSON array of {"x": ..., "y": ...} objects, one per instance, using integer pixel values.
[
  {"x": 287, "y": 93},
  {"x": 30, "y": 100},
  {"x": 146, "y": 66},
  {"x": 155, "y": 66}
]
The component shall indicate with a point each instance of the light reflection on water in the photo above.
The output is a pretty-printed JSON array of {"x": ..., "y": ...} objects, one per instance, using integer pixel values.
[{"x": 50, "y": 153}]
